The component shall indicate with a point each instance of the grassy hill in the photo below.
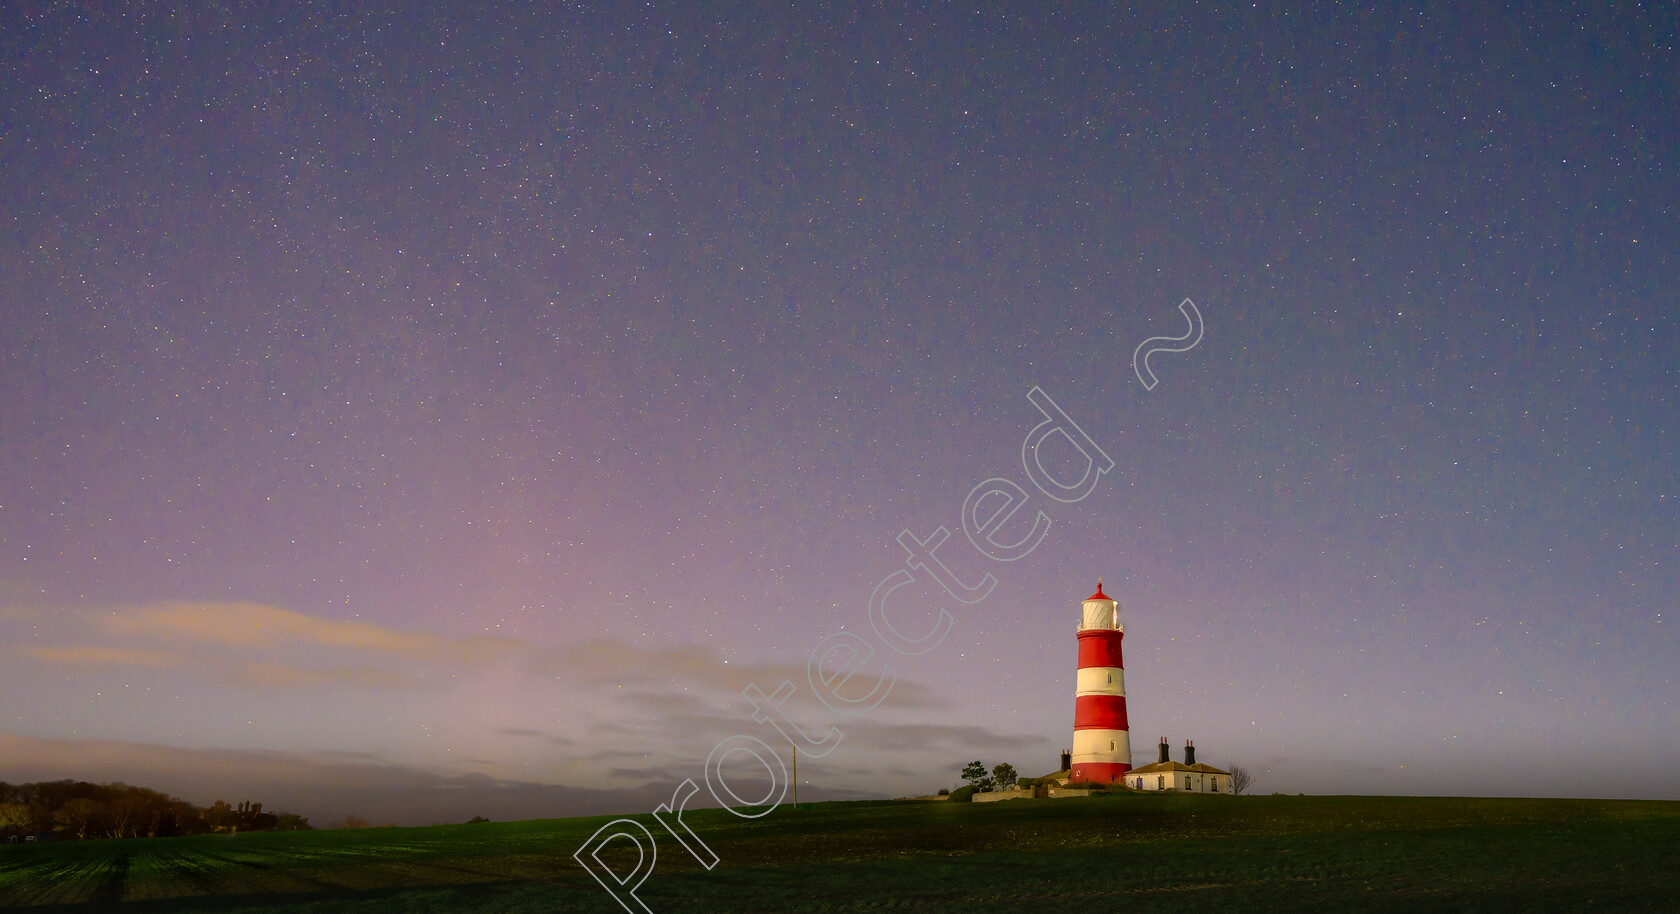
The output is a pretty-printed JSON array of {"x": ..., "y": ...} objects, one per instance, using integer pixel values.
[{"x": 1133, "y": 853}]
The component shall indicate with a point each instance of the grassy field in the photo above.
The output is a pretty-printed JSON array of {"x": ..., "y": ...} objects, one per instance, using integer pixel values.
[{"x": 1133, "y": 853}]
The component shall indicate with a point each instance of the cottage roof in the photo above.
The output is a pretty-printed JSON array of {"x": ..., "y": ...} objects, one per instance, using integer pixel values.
[{"x": 1170, "y": 767}]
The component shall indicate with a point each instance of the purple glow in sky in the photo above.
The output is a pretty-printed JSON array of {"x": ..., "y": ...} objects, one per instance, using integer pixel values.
[{"x": 435, "y": 414}]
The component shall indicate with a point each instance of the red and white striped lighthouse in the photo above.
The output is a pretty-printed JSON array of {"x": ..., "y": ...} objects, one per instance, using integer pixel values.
[{"x": 1102, "y": 748}]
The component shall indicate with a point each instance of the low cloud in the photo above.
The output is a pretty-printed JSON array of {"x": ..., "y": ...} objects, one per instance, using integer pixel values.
[
  {"x": 658, "y": 774},
  {"x": 612, "y": 663},
  {"x": 281, "y": 676},
  {"x": 256, "y": 646},
  {"x": 101, "y": 655},
  {"x": 261, "y": 647},
  {"x": 528, "y": 733},
  {"x": 257, "y": 626},
  {"x": 940, "y": 738}
]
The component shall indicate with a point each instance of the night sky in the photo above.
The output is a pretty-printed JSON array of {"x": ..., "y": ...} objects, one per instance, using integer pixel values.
[{"x": 427, "y": 413}]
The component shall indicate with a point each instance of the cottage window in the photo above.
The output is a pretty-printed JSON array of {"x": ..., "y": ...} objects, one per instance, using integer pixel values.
[{"x": 1161, "y": 782}]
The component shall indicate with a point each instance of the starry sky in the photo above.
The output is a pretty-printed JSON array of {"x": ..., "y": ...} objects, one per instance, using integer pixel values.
[{"x": 431, "y": 411}]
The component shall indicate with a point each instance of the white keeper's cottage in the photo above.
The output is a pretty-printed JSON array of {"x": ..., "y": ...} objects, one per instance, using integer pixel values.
[{"x": 1187, "y": 776}]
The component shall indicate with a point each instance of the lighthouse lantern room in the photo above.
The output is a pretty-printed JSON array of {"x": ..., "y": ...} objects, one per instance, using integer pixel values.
[{"x": 1102, "y": 748}]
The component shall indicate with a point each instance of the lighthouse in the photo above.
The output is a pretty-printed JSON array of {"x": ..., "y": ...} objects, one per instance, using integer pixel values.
[{"x": 1102, "y": 749}]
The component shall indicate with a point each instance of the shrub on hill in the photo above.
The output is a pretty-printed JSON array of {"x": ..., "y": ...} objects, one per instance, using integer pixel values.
[
  {"x": 291, "y": 821},
  {"x": 963, "y": 794}
]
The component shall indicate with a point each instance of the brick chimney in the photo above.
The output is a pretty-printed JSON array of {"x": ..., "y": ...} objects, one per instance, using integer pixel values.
[
  {"x": 1190, "y": 752},
  {"x": 1067, "y": 760},
  {"x": 1164, "y": 757}
]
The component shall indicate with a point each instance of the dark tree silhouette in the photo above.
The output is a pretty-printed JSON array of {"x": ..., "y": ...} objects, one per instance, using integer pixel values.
[
  {"x": 117, "y": 810},
  {"x": 1005, "y": 776},
  {"x": 81, "y": 816},
  {"x": 1241, "y": 778}
]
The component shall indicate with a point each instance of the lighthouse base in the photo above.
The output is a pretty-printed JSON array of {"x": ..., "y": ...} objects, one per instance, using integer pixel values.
[
  {"x": 1099, "y": 772},
  {"x": 1101, "y": 756}
]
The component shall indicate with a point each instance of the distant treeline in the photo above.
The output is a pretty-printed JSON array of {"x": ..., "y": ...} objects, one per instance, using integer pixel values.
[{"x": 77, "y": 809}]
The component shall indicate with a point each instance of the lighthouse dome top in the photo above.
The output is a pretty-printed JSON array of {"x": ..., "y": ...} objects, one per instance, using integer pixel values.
[{"x": 1100, "y": 611}]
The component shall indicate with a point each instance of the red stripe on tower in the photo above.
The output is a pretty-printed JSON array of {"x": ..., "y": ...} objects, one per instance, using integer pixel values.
[{"x": 1102, "y": 747}]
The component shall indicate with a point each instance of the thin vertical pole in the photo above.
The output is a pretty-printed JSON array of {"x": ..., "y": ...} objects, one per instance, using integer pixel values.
[{"x": 795, "y": 774}]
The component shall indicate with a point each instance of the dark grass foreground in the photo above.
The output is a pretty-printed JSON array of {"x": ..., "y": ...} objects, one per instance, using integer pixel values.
[{"x": 1131, "y": 853}]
